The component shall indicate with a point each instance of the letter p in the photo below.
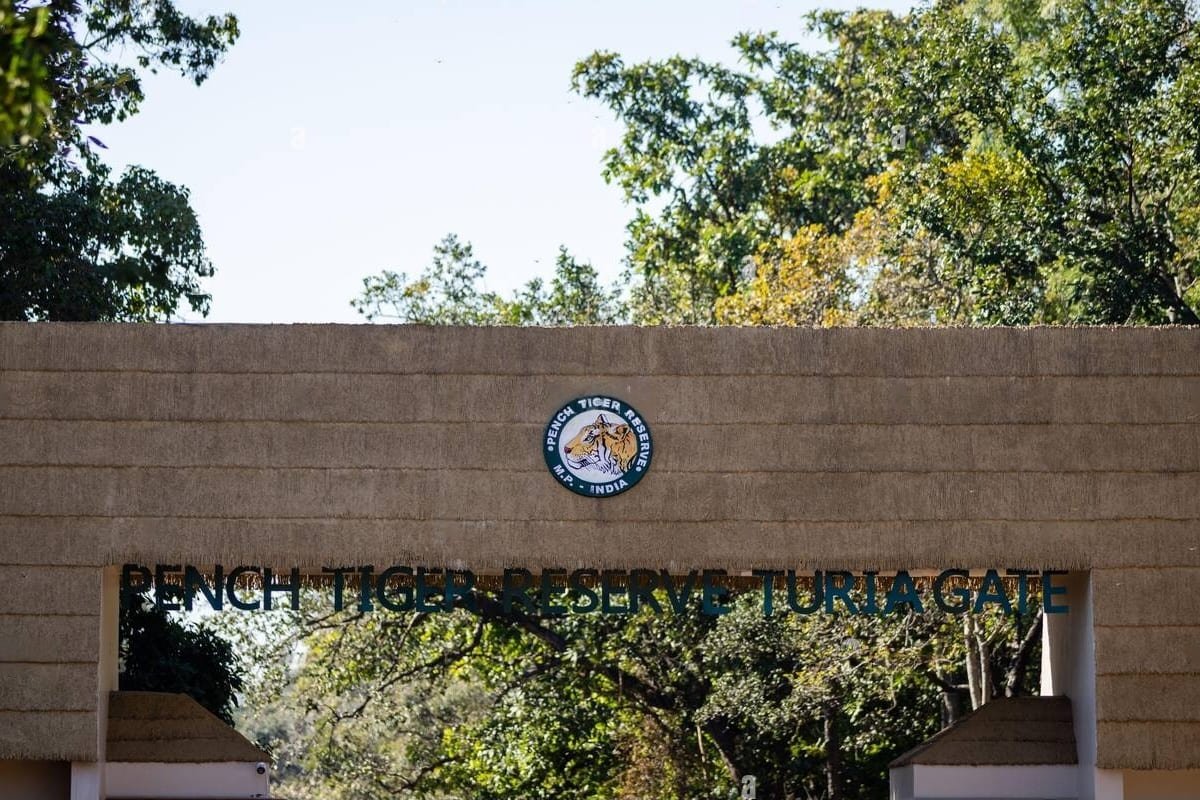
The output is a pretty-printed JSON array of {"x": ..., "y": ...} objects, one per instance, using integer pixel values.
[{"x": 130, "y": 588}]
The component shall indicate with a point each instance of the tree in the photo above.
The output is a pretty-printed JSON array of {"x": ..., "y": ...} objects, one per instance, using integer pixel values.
[
  {"x": 698, "y": 161},
  {"x": 1058, "y": 170},
  {"x": 574, "y": 297},
  {"x": 77, "y": 244},
  {"x": 1011, "y": 163},
  {"x": 489, "y": 702},
  {"x": 808, "y": 281},
  {"x": 160, "y": 654},
  {"x": 447, "y": 292},
  {"x": 25, "y": 47}
]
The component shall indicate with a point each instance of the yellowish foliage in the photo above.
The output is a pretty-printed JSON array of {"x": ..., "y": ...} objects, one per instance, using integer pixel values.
[
  {"x": 875, "y": 273},
  {"x": 802, "y": 280}
]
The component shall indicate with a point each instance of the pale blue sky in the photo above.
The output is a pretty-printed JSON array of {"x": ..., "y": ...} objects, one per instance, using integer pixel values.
[{"x": 337, "y": 140}]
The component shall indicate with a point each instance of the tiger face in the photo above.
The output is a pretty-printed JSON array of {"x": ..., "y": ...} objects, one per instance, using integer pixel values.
[{"x": 604, "y": 445}]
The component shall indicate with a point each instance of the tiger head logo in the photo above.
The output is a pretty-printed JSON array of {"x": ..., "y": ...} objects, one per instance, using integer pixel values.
[
  {"x": 597, "y": 446},
  {"x": 604, "y": 445}
]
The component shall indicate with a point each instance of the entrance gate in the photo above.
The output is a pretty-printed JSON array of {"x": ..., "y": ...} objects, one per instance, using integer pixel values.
[{"x": 1073, "y": 449}]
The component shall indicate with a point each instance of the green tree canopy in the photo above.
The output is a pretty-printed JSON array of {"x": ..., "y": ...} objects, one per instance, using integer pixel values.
[
  {"x": 503, "y": 703},
  {"x": 26, "y": 44},
  {"x": 448, "y": 292},
  {"x": 158, "y": 653},
  {"x": 1005, "y": 162},
  {"x": 76, "y": 243}
]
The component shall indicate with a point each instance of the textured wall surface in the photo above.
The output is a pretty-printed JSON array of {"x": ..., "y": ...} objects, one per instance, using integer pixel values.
[
  {"x": 313, "y": 445},
  {"x": 49, "y": 655},
  {"x": 1148, "y": 666}
]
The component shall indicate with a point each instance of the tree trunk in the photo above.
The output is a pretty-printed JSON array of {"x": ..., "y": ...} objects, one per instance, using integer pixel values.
[
  {"x": 1020, "y": 663},
  {"x": 986, "y": 683},
  {"x": 973, "y": 676},
  {"x": 722, "y": 738},
  {"x": 833, "y": 752},
  {"x": 951, "y": 707}
]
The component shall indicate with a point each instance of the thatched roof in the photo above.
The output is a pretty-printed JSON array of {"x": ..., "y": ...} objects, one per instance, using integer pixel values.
[
  {"x": 1009, "y": 731},
  {"x": 162, "y": 727}
]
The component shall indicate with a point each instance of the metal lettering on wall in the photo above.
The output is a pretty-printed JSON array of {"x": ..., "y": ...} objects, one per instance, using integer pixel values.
[{"x": 555, "y": 592}]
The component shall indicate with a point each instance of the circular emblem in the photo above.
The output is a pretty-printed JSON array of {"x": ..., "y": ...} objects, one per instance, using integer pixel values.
[{"x": 597, "y": 446}]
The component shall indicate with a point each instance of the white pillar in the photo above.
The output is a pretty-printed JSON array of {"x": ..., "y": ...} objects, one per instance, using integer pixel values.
[
  {"x": 87, "y": 780},
  {"x": 1069, "y": 669},
  {"x": 87, "y": 777},
  {"x": 1110, "y": 784},
  {"x": 1058, "y": 667}
]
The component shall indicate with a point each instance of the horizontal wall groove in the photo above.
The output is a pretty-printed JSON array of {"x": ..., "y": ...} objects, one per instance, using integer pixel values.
[
  {"x": 772, "y": 372},
  {"x": 609, "y": 520},
  {"x": 1190, "y": 724},
  {"x": 533, "y": 495},
  {"x": 58, "y": 615},
  {"x": 501, "y": 423},
  {"x": 535, "y": 471},
  {"x": 530, "y": 399},
  {"x": 42, "y": 565},
  {"x": 1187, "y": 421},
  {"x": 1151, "y": 626},
  {"x": 1157, "y": 568},
  {"x": 40, "y": 711},
  {"x": 1148, "y": 673}
]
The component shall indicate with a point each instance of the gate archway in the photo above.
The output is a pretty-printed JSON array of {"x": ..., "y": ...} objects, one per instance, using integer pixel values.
[{"x": 1070, "y": 449}]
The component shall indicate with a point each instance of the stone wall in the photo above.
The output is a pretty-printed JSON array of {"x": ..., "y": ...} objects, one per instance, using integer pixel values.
[{"x": 1045, "y": 448}]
